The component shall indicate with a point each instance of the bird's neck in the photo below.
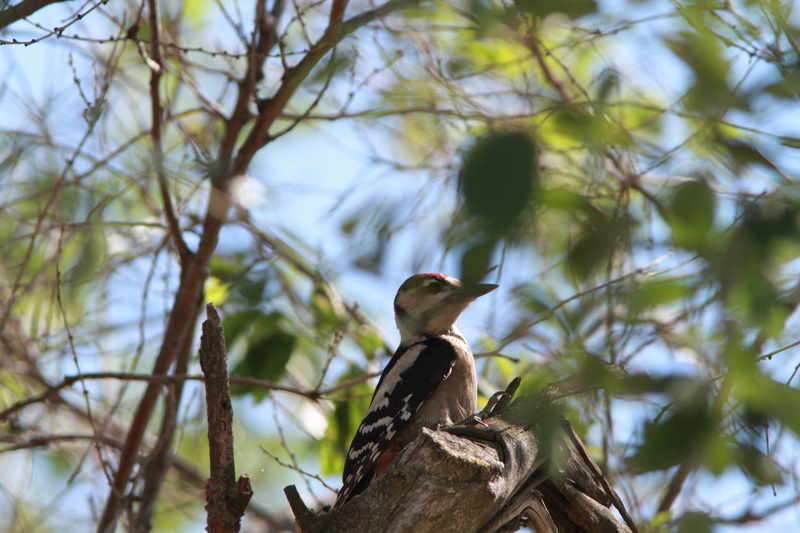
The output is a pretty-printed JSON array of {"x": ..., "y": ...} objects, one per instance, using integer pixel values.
[{"x": 409, "y": 337}]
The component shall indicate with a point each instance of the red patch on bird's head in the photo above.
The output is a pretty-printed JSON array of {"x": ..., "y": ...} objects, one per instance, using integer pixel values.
[{"x": 433, "y": 274}]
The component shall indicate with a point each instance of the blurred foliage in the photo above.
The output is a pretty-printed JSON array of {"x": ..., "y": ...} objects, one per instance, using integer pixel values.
[{"x": 626, "y": 171}]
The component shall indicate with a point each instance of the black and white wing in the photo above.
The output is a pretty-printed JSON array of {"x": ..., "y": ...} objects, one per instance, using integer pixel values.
[{"x": 411, "y": 377}]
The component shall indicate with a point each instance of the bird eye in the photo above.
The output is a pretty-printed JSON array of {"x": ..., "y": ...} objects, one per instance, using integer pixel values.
[{"x": 435, "y": 287}]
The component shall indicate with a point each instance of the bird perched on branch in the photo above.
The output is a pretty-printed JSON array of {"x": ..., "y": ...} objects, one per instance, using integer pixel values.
[{"x": 430, "y": 381}]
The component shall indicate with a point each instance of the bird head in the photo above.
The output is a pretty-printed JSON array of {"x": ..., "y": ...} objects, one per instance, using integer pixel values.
[{"x": 429, "y": 304}]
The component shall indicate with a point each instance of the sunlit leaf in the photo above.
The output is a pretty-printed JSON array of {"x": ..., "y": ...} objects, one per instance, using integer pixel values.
[{"x": 216, "y": 291}]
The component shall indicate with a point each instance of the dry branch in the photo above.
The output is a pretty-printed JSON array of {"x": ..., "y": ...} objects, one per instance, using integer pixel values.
[{"x": 226, "y": 498}]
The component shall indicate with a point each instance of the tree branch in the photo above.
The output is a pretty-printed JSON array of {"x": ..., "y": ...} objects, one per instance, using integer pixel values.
[
  {"x": 271, "y": 108},
  {"x": 194, "y": 273},
  {"x": 157, "y": 464},
  {"x": 156, "y": 65},
  {"x": 23, "y": 9},
  {"x": 52, "y": 390},
  {"x": 226, "y": 498}
]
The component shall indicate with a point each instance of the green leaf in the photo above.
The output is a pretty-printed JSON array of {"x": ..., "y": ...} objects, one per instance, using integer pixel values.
[
  {"x": 369, "y": 340},
  {"x": 791, "y": 142},
  {"x": 657, "y": 293},
  {"x": 475, "y": 263},
  {"x": 760, "y": 467},
  {"x": 769, "y": 229},
  {"x": 743, "y": 154},
  {"x": 701, "y": 51},
  {"x": 325, "y": 317},
  {"x": 686, "y": 430},
  {"x": 251, "y": 289},
  {"x": 695, "y": 522},
  {"x": 269, "y": 348},
  {"x": 562, "y": 198},
  {"x": 340, "y": 60},
  {"x": 235, "y": 323},
  {"x": 342, "y": 426},
  {"x": 691, "y": 214},
  {"x": 787, "y": 88},
  {"x": 497, "y": 178},
  {"x": 226, "y": 268},
  {"x": 765, "y": 399},
  {"x": 587, "y": 128},
  {"x": 599, "y": 238}
]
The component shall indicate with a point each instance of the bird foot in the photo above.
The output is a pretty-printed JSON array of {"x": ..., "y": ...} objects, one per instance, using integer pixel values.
[
  {"x": 487, "y": 411},
  {"x": 477, "y": 419}
]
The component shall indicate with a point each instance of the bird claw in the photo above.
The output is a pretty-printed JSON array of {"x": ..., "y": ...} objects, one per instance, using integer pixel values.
[
  {"x": 487, "y": 411},
  {"x": 477, "y": 419}
]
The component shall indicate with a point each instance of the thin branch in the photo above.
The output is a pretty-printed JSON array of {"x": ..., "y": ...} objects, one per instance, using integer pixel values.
[
  {"x": 71, "y": 341},
  {"x": 155, "y": 470},
  {"x": 22, "y": 10},
  {"x": 271, "y": 108},
  {"x": 776, "y": 352},
  {"x": 508, "y": 339},
  {"x": 261, "y": 44},
  {"x": 297, "y": 469},
  {"x": 156, "y": 64},
  {"x": 52, "y": 390}
]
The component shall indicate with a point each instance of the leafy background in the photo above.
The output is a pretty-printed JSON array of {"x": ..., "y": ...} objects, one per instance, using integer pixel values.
[{"x": 627, "y": 171}]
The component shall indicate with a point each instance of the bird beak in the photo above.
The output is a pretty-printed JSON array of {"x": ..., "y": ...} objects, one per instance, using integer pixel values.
[{"x": 475, "y": 291}]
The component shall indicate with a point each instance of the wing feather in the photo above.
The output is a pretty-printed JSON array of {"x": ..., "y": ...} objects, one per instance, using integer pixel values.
[{"x": 411, "y": 377}]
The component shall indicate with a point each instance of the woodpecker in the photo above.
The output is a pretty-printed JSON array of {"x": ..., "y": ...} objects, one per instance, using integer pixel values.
[{"x": 430, "y": 381}]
